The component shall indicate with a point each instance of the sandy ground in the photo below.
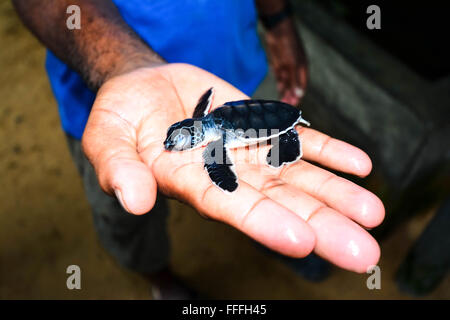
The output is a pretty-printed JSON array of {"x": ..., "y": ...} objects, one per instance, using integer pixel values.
[{"x": 45, "y": 222}]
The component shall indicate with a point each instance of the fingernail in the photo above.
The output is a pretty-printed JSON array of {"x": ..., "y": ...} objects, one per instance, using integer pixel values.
[
  {"x": 299, "y": 92},
  {"x": 120, "y": 198}
]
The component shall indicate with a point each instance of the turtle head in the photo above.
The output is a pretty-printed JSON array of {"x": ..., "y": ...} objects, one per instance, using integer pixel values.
[{"x": 184, "y": 135}]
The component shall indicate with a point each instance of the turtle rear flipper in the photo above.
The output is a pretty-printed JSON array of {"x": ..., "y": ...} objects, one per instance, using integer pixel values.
[
  {"x": 288, "y": 149},
  {"x": 204, "y": 104},
  {"x": 219, "y": 166}
]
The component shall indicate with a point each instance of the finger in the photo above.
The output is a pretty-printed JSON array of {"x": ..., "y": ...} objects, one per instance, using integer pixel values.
[
  {"x": 290, "y": 95},
  {"x": 299, "y": 202},
  {"x": 246, "y": 209},
  {"x": 295, "y": 90},
  {"x": 346, "y": 197},
  {"x": 338, "y": 239},
  {"x": 333, "y": 153},
  {"x": 109, "y": 143},
  {"x": 343, "y": 195},
  {"x": 343, "y": 242},
  {"x": 280, "y": 87},
  {"x": 303, "y": 77},
  {"x": 280, "y": 81},
  {"x": 282, "y": 77},
  {"x": 333, "y": 241},
  {"x": 300, "y": 84}
]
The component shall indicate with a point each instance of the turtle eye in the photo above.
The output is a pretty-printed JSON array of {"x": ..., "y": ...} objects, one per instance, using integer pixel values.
[
  {"x": 179, "y": 142},
  {"x": 182, "y": 140}
]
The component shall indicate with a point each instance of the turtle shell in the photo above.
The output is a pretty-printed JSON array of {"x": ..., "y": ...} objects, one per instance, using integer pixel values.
[{"x": 259, "y": 115}]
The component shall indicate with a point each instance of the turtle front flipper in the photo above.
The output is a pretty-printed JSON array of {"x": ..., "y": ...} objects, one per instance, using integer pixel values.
[
  {"x": 286, "y": 150},
  {"x": 204, "y": 104},
  {"x": 219, "y": 166}
]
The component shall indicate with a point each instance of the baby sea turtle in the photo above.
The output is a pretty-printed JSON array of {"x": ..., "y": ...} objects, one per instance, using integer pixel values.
[{"x": 236, "y": 124}]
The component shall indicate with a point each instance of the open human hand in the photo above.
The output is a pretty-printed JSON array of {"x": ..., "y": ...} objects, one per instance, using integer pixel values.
[{"x": 293, "y": 210}]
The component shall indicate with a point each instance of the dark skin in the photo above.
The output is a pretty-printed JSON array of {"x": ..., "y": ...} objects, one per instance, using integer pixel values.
[
  {"x": 286, "y": 54},
  {"x": 96, "y": 58},
  {"x": 118, "y": 42},
  {"x": 294, "y": 211},
  {"x": 288, "y": 61}
]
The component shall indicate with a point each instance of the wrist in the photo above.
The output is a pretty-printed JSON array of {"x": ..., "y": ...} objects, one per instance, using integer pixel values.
[
  {"x": 133, "y": 62},
  {"x": 270, "y": 19}
]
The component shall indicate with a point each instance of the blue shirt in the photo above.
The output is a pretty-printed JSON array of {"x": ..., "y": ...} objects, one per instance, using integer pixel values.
[{"x": 218, "y": 36}]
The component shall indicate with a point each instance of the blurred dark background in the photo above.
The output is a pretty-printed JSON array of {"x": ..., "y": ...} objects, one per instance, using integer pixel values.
[
  {"x": 414, "y": 33},
  {"x": 386, "y": 91}
]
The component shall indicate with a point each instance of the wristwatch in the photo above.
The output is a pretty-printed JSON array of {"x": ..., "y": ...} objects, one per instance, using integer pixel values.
[{"x": 270, "y": 21}]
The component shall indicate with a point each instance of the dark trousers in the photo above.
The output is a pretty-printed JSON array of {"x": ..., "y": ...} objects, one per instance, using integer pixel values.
[{"x": 140, "y": 243}]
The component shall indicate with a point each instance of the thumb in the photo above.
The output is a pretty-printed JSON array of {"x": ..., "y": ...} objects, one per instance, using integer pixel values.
[{"x": 110, "y": 146}]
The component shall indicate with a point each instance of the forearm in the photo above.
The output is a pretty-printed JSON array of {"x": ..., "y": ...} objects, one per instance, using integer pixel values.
[{"x": 105, "y": 45}]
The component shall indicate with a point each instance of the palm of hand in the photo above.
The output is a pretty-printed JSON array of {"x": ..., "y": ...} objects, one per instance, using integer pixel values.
[{"x": 293, "y": 210}]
